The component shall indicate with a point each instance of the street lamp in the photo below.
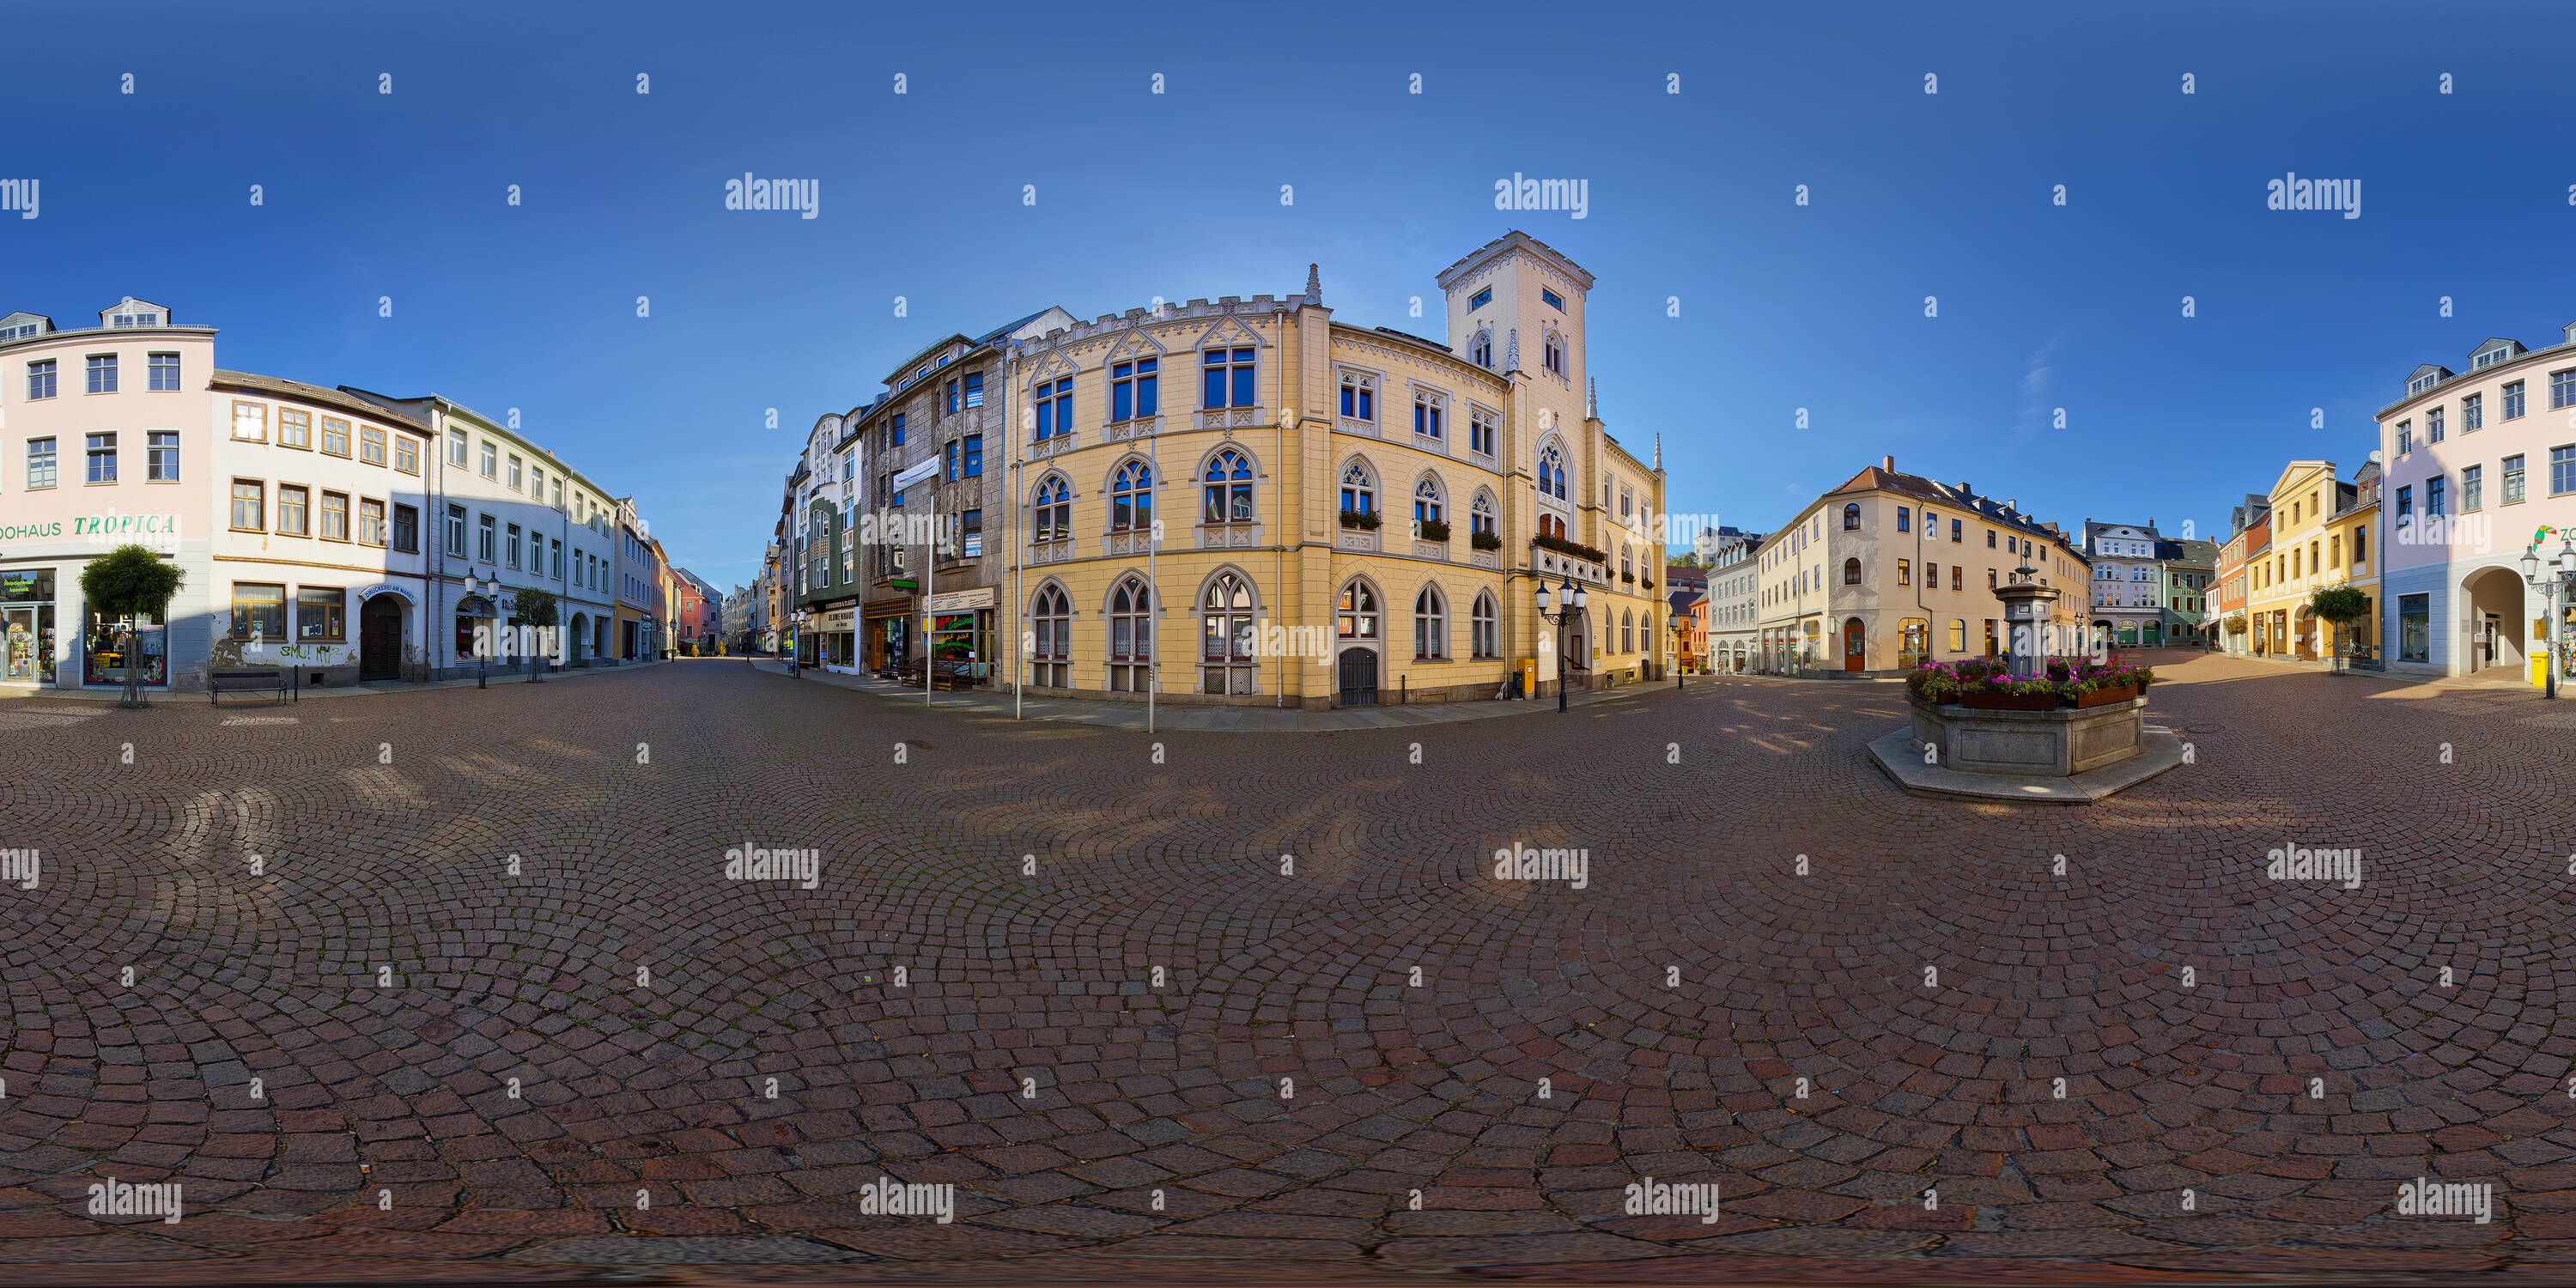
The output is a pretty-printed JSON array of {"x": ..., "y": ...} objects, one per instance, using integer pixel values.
[
  {"x": 2546, "y": 580},
  {"x": 1571, "y": 598},
  {"x": 483, "y": 644}
]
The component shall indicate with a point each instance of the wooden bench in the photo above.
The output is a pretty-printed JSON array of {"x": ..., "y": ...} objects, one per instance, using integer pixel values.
[{"x": 220, "y": 683}]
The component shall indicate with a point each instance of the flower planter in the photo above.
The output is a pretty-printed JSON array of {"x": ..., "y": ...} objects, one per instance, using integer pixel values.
[
  {"x": 2008, "y": 701},
  {"x": 2105, "y": 697},
  {"x": 1982, "y": 735}
]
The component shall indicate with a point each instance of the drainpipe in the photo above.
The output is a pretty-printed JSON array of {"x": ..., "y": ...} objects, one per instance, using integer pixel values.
[
  {"x": 1279, "y": 508},
  {"x": 1011, "y": 542},
  {"x": 438, "y": 582}
]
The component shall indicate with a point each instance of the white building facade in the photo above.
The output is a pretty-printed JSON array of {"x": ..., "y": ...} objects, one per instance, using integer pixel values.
[
  {"x": 327, "y": 532},
  {"x": 2127, "y": 596},
  {"x": 1734, "y": 606}
]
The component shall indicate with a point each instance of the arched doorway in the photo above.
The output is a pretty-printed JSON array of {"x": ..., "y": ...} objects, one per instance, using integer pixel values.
[
  {"x": 2307, "y": 628},
  {"x": 577, "y": 639},
  {"x": 2495, "y": 620},
  {"x": 1914, "y": 646},
  {"x": 380, "y": 637},
  {"x": 1359, "y": 677},
  {"x": 1578, "y": 642},
  {"x": 1855, "y": 645}
]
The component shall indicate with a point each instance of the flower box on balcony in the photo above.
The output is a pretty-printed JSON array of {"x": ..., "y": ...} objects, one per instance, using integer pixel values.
[
  {"x": 1360, "y": 519},
  {"x": 1486, "y": 541},
  {"x": 1564, "y": 547},
  {"x": 1431, "y": 530}
]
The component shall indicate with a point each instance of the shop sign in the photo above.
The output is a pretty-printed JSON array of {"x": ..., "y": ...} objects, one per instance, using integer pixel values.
[
  {"x": 95, "y": 527},
  {"x": 839, "y": 619},
  {"x": 958, "y": 601}
]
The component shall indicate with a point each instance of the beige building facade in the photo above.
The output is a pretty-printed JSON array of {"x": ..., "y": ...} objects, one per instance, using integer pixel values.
[{"x": 1891, "y": 570}]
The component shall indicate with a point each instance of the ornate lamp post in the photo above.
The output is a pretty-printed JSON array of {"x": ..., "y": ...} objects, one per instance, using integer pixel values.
[
  {"x": 483, "y": 644},
  {"x": 2550, "y": 580},
  {"x": 1571, "y": 599}
]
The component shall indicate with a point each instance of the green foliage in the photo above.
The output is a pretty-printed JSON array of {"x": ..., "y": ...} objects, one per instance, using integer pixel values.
[
  {"x": 2339, "y": 604},
  {"x": 533, "y": 606},
  {"x": 130, "y": 580}
]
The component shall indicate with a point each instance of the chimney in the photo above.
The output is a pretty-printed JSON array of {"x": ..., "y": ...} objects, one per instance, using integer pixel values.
[
  {"x": 2012, "y": 507},
  {"x": 1965, "y": 489},
  {"x": 1887, "y": 463}
]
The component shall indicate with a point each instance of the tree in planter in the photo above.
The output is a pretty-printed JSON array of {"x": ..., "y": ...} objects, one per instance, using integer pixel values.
[
  {"x": 533, "y": 606},
  {"x": 2340, "y": 605},
  {"x": 131, "y": 582}
]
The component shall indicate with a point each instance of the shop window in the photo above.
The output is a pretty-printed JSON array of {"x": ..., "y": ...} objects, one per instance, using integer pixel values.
[
  {"x": 320, "y": 614},
  {"x": 259, "y": 611},
  {"x": 114, "y": 640}
]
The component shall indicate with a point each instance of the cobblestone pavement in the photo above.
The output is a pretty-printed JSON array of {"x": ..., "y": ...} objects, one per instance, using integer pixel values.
[{"x": 471, "y": 1073}]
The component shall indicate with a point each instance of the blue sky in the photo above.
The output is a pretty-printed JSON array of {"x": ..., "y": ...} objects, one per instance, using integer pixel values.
[{"x": 1782, "y": 307}]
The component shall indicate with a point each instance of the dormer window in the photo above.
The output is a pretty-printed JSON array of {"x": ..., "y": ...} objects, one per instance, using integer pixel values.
[{"x": 2423, "y": 382}]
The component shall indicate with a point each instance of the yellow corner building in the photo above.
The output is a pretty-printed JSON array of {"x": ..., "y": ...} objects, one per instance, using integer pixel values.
[{"x": 1249, "y": 502}]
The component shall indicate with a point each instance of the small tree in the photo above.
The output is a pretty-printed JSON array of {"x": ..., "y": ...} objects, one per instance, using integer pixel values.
[
  {"x": 534, "y": 606},
  {"x": 130, "y": 582},
  {"x": 2339, "y": 605}
]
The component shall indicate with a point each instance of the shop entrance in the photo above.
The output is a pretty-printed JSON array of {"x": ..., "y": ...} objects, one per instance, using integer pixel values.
[
  {"x": 27, "y": 626},
  {"x": 380, "y": 629},
  {"x": 891, "y": 642},
  {"x": 958, "y": 647},
  {"x": 29, "y": 635}
]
